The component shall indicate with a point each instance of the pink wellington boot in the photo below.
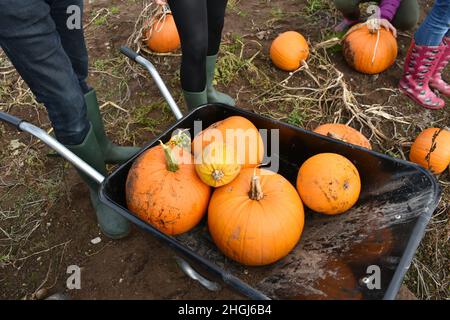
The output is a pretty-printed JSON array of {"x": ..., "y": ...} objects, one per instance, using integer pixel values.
[
  {"x": 420, "y": 64},
  {"x": 436, "y": 81}
]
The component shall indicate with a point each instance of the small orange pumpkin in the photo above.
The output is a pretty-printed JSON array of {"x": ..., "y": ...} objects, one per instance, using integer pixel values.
[
  {"x": 369, "y": 50},
  {"x": 431, "y": 149},
  {"x": 236, "y": 132},
  {"x": 163, "y": 189},
  {"x": 344, "y": 133},
  {"x": 257, "y": 219},
  {"x": 162, "y": 36},
  {"x": 328, "y": 183},
  {"x": 288, "y": 50}
]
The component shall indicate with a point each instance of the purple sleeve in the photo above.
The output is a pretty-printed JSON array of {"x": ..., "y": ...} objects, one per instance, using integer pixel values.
[{"x": 388, "y": 8}]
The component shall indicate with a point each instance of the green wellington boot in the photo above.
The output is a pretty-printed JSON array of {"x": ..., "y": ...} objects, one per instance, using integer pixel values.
[
  {"x": 212, "y": 94},
  {"x": 112, "y": 224},
  {"x": 112, "y": 153},
  {"x": 194, "y": 99}
]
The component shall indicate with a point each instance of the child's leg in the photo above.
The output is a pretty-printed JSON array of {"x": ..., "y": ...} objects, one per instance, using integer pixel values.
[
  {"x": 349, "y": 8},
  {"x": 407, "y": 15},
  {"x": 435, "y": 26}
]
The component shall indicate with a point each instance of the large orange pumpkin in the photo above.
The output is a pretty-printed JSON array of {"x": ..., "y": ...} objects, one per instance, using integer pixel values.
[
  {"x": 344, "y": 133},
  {"x": 257, "y": 219},
  {"x": 369, "y": 50},
  {"x": 431, "y": 149},
  {"x": 162, "y": 36},
  {"x": 163, "y": 189},
  {"x": 236, "y": 132},
  {"x": 288, "y": 50},
  {"x": 328, "y": 183}
]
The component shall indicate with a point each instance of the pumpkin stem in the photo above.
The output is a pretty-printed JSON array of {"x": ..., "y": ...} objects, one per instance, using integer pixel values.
[
  {"x": 256, "y": 192},
  {"x": 217, "y": 175},
  {"x": 171, "y": 163}
]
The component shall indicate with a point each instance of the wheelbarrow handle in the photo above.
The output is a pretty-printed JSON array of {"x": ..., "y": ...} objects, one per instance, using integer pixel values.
[
  {"x": 52, "y": 143},
  {"x": 155, "y": 75},
  {"x": 10, "y": 119}
]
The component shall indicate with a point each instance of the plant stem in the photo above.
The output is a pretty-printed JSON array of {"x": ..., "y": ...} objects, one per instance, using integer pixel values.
[
  {"x": 171, "y": 163},
  {"x": 256, "y": 192}
]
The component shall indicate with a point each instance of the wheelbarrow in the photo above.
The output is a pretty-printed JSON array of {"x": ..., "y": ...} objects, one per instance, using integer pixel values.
[{"x": 361, "y": 254}]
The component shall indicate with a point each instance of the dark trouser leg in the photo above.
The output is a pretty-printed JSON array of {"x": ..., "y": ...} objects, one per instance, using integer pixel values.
[
  {"x": 407, "y": 15},
  {"x": 191, "y": 20},
  {"x": 349, "y": 8},
  {"x": 216, "y": 16},
  {"x": 72, "y": 39},
  {"x": 29, "y": 38}
]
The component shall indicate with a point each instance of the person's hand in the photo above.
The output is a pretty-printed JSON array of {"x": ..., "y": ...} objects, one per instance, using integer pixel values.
[
  {"x": 388, "y": 26},
  {"x": 161, "y": 2}
]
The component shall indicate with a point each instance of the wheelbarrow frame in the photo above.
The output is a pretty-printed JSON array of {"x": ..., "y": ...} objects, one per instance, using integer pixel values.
[{"x": 186, "y": 253}]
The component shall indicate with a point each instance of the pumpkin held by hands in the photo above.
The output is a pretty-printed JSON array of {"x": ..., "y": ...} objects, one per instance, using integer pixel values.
[
  {"x": 288, "y": 50},
  {"x": 236, "y": 132},
  {"x": 328, "y": 183},
  {"x": 257, "y": 219},
  {"x": 162, "y": 36},
  {"x": 369, "y": 50},
  {"x": 344, "y": 133},
  {"x": 163, "y": 189},
  {"x": 431, "y": 149}
]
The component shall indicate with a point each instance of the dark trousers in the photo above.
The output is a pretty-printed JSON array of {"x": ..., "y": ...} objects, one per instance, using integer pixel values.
[
  {"x": 406, "y": 17},
  {"x": 200, "y": 24},
  {"x": 51, "y": 59}
]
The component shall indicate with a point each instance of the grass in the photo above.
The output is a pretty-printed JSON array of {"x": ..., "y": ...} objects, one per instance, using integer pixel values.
[{"x": 313, "y": 6}]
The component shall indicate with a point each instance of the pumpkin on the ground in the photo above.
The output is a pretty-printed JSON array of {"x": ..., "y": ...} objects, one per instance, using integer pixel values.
[
  {"x": 328, "y": 183},
  {"x": 238, "y": 133},
  {"x": 217, "y": 165},
  {"x": 344, "y": 133},
  {"x": 431, "y": 149},
  {"x": 369, "y": 49},
  {"x": 257, "y": 219},
  {"x": 288, "y": 50},
  {"x": 162, "y": 35},
  {"x": 163, "y": 189}
]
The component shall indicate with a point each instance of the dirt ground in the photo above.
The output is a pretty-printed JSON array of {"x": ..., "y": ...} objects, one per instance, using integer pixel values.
[{"x": 46, "y": 220}]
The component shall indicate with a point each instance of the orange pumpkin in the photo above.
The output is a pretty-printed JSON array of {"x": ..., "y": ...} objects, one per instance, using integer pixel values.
[
  {"x": 431, "y": 149},
  {"x": 163, "y": 189},
  {"x": 344, "y": 133},
  {"x": 288, "y": 50},
  {"x": 328, "y": 183},
  {"x": 369, "y": 50},
  {"x": 162, "y": 36},
  {"x": 257, "y": 219},
  {"x": 237, "y": 133}
]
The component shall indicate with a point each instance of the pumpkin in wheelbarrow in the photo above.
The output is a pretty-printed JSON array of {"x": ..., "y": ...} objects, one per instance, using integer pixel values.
[
  {"x": 257, "y": 219},
  {"x": 328, "y": 183},
  {"x": 163, "y": 189},
  {"x": 237, "y": 133}
]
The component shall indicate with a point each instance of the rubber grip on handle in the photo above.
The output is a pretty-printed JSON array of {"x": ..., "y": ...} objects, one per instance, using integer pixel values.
[
  {"x": 5, "y": 117},
  {"x": 128, "y": 52}
]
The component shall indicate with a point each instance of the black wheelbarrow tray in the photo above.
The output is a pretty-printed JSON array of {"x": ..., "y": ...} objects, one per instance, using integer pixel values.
[{"x": 361, "y": 254}]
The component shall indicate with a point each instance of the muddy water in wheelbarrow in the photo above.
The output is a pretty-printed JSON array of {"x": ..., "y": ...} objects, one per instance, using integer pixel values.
[{"x": 361, "y": 254}]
